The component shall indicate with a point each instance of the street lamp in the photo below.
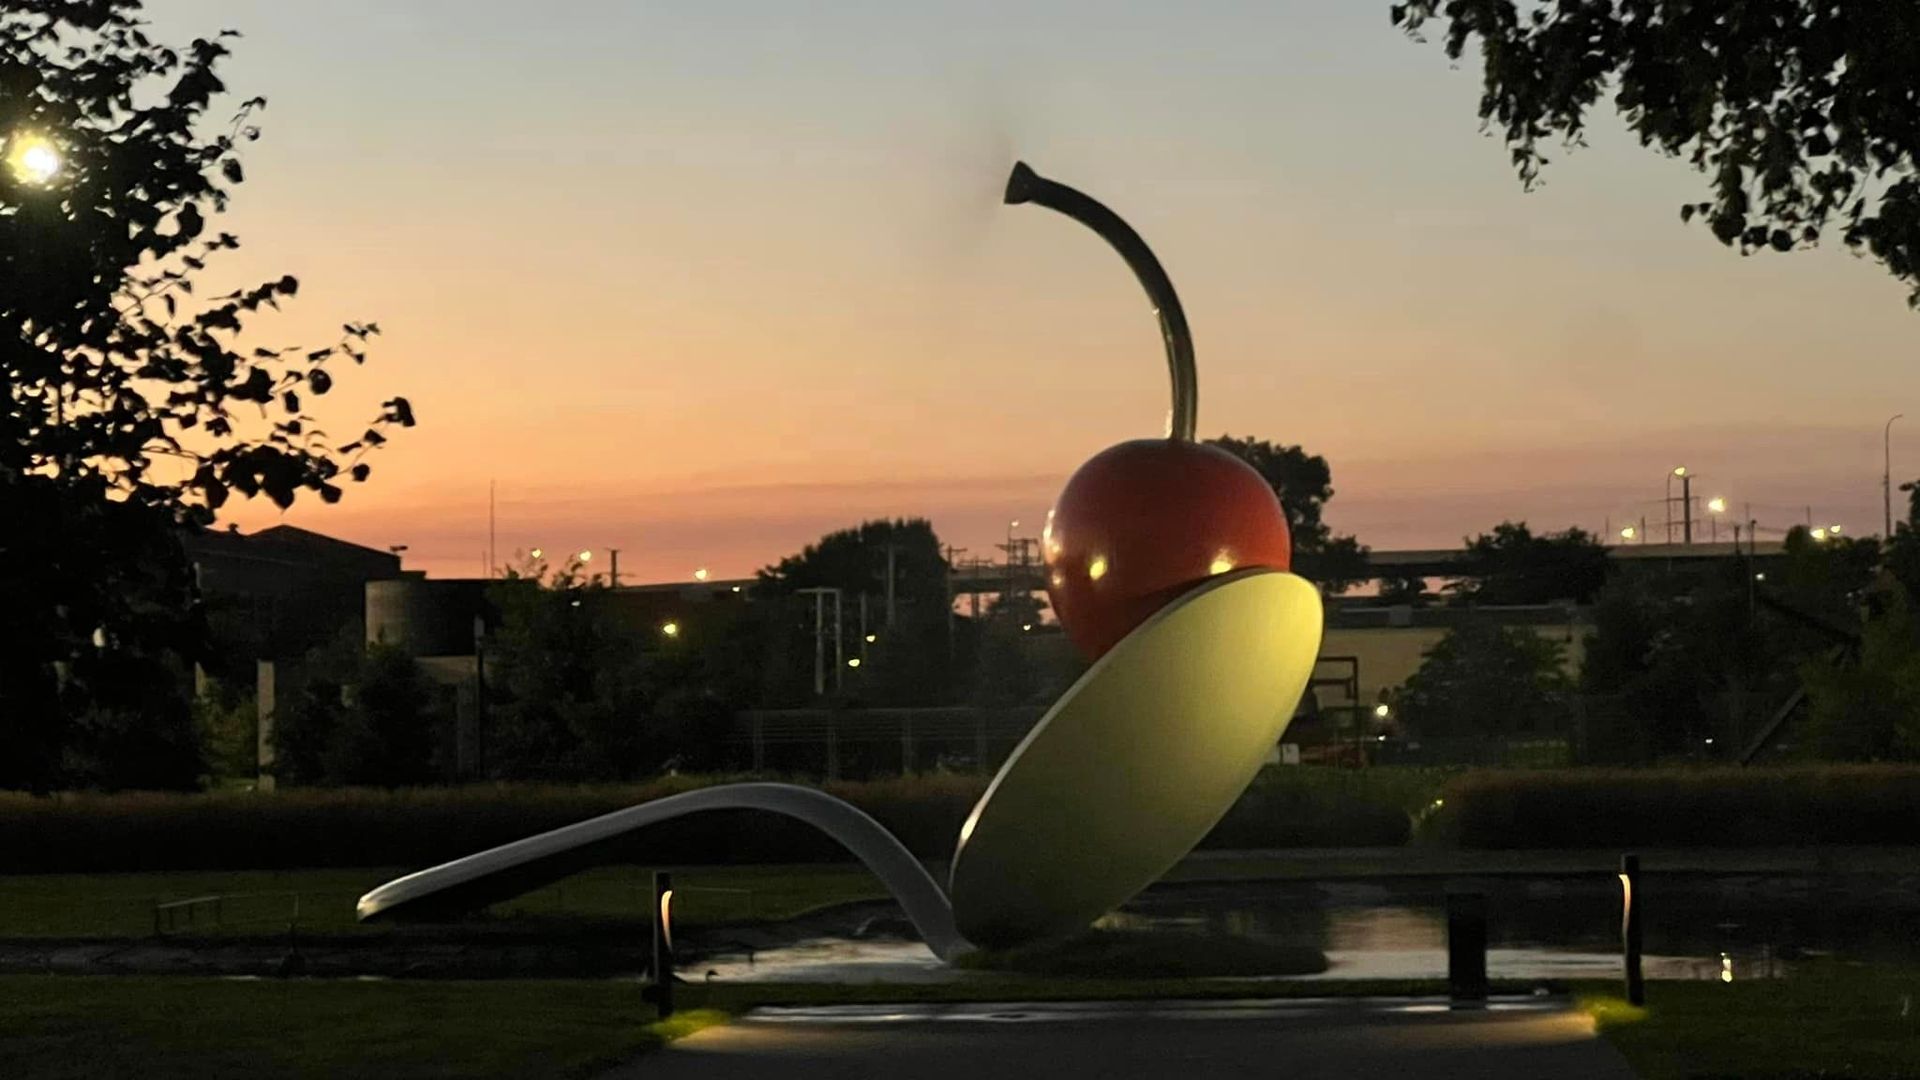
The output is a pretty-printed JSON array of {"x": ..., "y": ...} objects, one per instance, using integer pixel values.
[
  {"x": 1820, "y": 535},
  {"x": 700, "y": 574},
  {"x": 33, "y": 158},
  {"x": 586, "y": 556},
  {"x": 670, "y": 628},
  {"x": 1627, "y": 533},
  {"x": 1716, "y": 506}
]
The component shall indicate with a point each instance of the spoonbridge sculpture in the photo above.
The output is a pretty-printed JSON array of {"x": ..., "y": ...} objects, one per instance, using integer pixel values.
[{"x": 1168, "y": 565}]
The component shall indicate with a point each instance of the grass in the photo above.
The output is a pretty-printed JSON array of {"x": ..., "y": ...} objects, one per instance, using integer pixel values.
[
  {"x": 261, "y": 902},
  {"x": 59, "y": 1027},
  {"x": 56, "y": 1027},
  {"x": 1862, "y": 1023}
]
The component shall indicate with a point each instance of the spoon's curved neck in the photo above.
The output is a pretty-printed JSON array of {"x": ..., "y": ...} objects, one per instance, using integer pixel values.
[{"x": 1025, "y": 185}]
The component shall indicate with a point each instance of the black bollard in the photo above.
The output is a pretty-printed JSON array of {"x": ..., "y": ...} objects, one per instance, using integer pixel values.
[
  {"x": 1631, "y": 902},
  {"x": 1467, "y": 948},
  {"x": 661, "y": 992}
]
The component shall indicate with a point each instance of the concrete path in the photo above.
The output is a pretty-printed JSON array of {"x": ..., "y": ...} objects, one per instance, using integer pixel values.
[{"x": 1307, "y": 1040}]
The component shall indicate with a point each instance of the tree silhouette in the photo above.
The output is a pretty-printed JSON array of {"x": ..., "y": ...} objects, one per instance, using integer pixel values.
[
  {"x": 1304, "y": 483},
  {"x": 129, "y": 409},
  {"x": 1801, "y": 112}
]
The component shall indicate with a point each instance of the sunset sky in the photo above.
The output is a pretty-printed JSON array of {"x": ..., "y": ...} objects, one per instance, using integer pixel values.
[{"x": 702, "y": 281}]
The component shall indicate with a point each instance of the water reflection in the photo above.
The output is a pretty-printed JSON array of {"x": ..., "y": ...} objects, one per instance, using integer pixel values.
[{"x": 1697, "y": 926}]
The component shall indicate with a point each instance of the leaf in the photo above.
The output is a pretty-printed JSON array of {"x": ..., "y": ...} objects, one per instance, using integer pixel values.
[
  {"x": 291, "y": 400},
  {"x": 230, "y": 169},
  {"x": 329, "y": 494},
  {"x": 319, "y": 380},
  {"x": 288, "y": 285},
  {"x": 400, "y": 411},
  {"x": 361, "y": 472}
]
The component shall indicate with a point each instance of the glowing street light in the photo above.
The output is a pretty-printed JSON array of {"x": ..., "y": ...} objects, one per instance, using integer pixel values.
[
  {"x": 1383, "y": 710},
  {"x": 871, "y": 638},
  {"x": 33, "y": 158},
  {"x": 1820, "y": 535},
  {"x": 1627, "y": 533},
  {"x": 700, "y": 574},
  {"x": 670, "y": 628},
  {"x": 586, "y": 556},
  {"x": 1833, "y": 530},
  {"x": 853, "y": 662},
  {"x": 1717, "y": 505}
]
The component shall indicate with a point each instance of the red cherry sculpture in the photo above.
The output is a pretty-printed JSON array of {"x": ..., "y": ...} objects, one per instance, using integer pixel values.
[{"x": 1146, "y": 520}]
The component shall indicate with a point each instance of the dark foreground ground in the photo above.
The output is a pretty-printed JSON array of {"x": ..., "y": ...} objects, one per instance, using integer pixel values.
[{"x": 1149, "y": 1040}]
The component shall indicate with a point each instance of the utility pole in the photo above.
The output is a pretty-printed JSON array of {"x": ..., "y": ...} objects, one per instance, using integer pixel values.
[
  {"x": 1886, "y": 475},
  {"x": 493, "y": 564},
  {"x": 892, "y": 550},
  {"x": 951, "y": 553},
  {"x": 1686, "y": 508},
  {"x": 819, "y": 594},
  {"x": 613, "y": 567}
]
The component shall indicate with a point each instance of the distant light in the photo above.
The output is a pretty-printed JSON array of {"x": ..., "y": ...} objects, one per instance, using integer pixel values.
[
  {"x": 1709, "y": 740},
  {"x": 666, "y": 917},
  {"x": 700, "y": 574},
  {"x": 1819, "y": 534},
  {"x": 671, "y": 629},
  {"x": 536, "y": 553},
  {"x": 1833, "y": 530},
  {"x": 1626, "y": 533},
  {"x": 1026, "y": 626},
  {"x": 1717, "y": 505},
  {"x": 33, "y": 158},
  {"x": 1760, "y": 577},
  {"x": 1059, "y": 579},
  {"x": 586, "y": 556},
  {"x": 736, "y": 588},
  {"x": 1383, "y": 738},
  {"x": 1013, "y": 524},
  {"x": 855, "y": 662},
  {"x": 1680, "y": 470},
  {"x": 871, "y": 638},
  {"x": 1097, "y": 567},
  {"x": 1221, "y": 563},
  {"x": 1726, "y": 968},
  {"x": 1383, "y": 710}
]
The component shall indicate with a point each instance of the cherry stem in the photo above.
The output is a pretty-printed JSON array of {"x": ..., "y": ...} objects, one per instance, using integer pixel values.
[{"x": 1025, "y": 186}]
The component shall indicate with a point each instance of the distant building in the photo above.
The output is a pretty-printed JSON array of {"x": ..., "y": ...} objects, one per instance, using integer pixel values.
[{"x": 281, "y": 591}]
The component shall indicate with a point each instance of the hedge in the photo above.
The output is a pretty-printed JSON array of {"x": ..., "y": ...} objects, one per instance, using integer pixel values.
[
  {"x": 414, "y": 827},
  {"x": 1710, "y": 807}
]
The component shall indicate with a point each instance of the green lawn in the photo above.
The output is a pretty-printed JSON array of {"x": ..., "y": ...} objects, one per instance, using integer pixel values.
[
  {"x": 1861, "y": 1023},
  {"x": 261, "y": 902},
  {"x": 56, "y": 1027},
  {"x": 158, "y": 1028}
]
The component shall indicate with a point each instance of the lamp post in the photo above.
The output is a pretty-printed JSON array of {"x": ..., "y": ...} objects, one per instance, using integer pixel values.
[
  {"x": 1686, "y": 504},
  {"x": 1886, "y": 475}
]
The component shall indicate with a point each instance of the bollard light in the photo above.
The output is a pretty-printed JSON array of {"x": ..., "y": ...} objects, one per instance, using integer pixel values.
[
  {"x": 660, "y": 992},
  {"x": 1630, "y": 930}
]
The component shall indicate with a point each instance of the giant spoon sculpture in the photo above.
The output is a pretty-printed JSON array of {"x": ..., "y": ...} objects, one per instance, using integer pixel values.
[{"x": 1168, "y": 565}]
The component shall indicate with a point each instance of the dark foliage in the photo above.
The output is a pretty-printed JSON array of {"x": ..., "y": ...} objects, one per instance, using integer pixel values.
[
  {"x": 1623, "y": 810},
  {"x": 1800, "y": 112},
  {"x": 1513, "y": 566},
  {"x": 1486, "y": 680},
  {"x": 1304, "y": 483},
  {"x": 129, "y": 409}
]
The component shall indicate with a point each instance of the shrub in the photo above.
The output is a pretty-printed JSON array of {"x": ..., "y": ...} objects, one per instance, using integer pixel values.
[
  {"x": 1721, "y": 807},
  {"x": 421, "y": 826}
]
